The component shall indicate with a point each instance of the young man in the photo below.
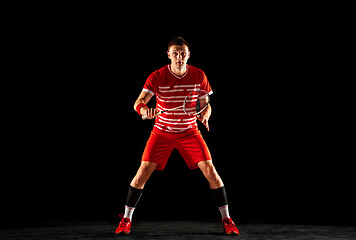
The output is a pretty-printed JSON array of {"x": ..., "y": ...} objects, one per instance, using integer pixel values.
[{"x": 174, "y": 129}]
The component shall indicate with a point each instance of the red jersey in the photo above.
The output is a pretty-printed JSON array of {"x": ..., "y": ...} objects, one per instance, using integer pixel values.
[{"x": 171, "y": 90}]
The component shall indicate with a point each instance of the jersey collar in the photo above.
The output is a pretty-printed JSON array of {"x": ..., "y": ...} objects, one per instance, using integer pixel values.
[{"x": 180, "y": 77}]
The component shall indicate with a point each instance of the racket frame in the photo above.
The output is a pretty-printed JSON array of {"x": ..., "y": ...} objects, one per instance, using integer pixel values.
[{"x": 144, "y": 117}]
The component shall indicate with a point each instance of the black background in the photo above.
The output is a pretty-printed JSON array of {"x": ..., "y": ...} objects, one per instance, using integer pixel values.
[{"x": 75, "y": 142}]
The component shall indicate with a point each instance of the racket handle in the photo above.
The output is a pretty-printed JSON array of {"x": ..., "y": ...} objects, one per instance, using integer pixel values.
[{"x": 144, "y": 117}]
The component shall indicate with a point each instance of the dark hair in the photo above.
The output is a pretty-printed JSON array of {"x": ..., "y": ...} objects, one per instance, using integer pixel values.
[{"x": 178, "y": 41}]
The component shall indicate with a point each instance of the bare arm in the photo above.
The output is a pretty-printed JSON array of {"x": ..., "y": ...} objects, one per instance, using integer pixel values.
[
  {"x": 145, "y": 97},
  {"x": 205, "y": 115}
]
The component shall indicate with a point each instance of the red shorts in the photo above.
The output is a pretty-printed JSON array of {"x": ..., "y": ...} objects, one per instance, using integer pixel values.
[{"x": 190, "y": 145}]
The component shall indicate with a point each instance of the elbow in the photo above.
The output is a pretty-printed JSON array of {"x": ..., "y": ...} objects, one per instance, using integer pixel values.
[{"x": 135, "y": 105}]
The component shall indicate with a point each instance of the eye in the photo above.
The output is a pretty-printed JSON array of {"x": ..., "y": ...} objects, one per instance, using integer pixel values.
[{"x": 175, "y": 54}]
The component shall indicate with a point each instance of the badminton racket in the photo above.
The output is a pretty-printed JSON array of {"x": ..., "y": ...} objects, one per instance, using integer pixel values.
[{"x": 194, "y": 103}]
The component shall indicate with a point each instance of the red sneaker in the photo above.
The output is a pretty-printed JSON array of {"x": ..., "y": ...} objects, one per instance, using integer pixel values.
[
  {"x": 124, "y": 225},
  {"x": 229, "y": 226}
]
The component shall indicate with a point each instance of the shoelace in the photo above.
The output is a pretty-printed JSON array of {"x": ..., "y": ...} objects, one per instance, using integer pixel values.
[
  {"x": 123, "y": 223},
  {"x": 230, "y": 223}
]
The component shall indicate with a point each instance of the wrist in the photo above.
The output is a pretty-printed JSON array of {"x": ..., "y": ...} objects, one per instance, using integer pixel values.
[{"x": 139, "y": 106}]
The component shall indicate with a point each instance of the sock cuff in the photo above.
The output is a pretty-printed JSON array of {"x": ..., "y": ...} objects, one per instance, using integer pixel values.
[
  {"x": 131, "y": 208},
  {"x": 135, "y": 189},
  {"x": 222, "y": 207}
]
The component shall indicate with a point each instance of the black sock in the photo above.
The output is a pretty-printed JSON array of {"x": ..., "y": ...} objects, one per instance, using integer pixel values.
[
  {"x": 133, "y": 196},
  {"x": 219, "y": 196}
]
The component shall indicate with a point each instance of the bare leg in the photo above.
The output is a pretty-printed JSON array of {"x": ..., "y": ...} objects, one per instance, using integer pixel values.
[
  {"x": 210, "y": 173},
  {"x": 143, "y": 174}
]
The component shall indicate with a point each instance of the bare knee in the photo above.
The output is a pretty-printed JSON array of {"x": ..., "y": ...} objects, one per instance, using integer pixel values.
[
  {"x": 214, "y": 178},
  {"x": 143, "y": 174},
  {"x": 211, "y": 174}
]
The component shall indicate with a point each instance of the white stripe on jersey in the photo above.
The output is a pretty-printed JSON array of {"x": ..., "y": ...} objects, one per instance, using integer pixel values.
[
  {"x": 171, "y": 97},
  {"x": 169, "y": 101},
  {"x": 171, "y": 113},
  {"x": 174, "y": 90},
  {"x": 177, "y": 123},
  {"x": 160, "y": 108},
  {"x": 177, "y": 120},
  {"x": 182, "y": 86}
]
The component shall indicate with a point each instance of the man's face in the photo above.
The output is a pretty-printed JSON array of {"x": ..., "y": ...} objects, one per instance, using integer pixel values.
[{"x": 179, "y": 55}]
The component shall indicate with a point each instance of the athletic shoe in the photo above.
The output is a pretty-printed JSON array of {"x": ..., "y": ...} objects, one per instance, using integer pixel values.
[
  {"x": 229, "y": 226},
  {"x": 124, "y": 225}
]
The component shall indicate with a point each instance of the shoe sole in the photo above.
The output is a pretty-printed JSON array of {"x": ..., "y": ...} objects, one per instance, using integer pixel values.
[{"x": 122, "y": 233}]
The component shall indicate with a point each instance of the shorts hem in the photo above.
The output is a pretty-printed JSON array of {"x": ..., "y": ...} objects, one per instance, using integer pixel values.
[
  {"x": 159, "y": 168},
  {"x": 195, "y": 165}
]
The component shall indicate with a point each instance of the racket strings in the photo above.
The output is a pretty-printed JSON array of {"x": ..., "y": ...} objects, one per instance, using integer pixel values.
[{"x": 196, "y": 102}]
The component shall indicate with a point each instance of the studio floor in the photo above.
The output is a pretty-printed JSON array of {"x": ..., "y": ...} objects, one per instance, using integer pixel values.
[{"x": 177, "y": 230}]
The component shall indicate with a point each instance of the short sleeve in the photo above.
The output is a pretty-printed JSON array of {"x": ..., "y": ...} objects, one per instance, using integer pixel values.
[
  {"x": 151, "y": 84},
  {"x": 205, "y": 85}
]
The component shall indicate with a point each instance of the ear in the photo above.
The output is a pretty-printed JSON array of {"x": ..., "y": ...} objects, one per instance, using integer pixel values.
[
  {"x": 188, "y": 55},
  {"x": 169, "y": 55}
]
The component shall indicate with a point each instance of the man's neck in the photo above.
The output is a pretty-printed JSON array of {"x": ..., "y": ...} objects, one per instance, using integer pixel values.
[{"x": 179, "y": 71}]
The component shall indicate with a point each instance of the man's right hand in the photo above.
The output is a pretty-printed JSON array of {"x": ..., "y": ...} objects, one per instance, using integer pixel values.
[{"x": 149, "y": 112}]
